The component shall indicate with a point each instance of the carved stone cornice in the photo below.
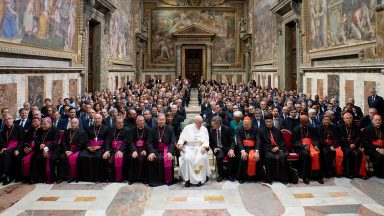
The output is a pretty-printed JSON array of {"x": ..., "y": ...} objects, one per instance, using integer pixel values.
[
  {"x": 194, "y": 31},
  {"x": 282, "y": 7}
]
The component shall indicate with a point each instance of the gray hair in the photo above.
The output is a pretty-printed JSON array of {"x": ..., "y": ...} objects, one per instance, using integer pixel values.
[
  {"x": 238, "y": 114},
  {"x": 216, "y": 119},
  {"x": 329, "y": 112},
  {"x": 311, "y": 111}
]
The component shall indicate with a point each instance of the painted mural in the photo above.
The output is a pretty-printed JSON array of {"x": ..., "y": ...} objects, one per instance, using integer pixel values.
[
  {"x": 167, "y": 21},
  {"x": 335, "y": 23},
  {"x": 43, "y": 23},
  {"x": 121, "y": 30},
  {"x": 264, "y": 31}
]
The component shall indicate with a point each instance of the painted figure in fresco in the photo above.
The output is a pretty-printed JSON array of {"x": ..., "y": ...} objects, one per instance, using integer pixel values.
[
  {"x": 71, "y": 34},
  {"x": 9, "y": 25},
  {"x": 318, "y": 19},
  {"x": 361, "y": 23},
  {"x": 181, "y": 22},
  {"x": 43, "y": 22},
  {"x": 29, "y": 24}
]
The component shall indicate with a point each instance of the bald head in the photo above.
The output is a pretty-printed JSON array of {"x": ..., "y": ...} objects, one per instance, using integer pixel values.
[
  {"x": 74, "y": 123},
  {"x": 98, "y": 119}
]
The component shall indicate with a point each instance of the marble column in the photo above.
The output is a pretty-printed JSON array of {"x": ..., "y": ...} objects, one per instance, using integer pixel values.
[
  {"x": 209, "y": 61},
  {"x": 178, "y": 59}
]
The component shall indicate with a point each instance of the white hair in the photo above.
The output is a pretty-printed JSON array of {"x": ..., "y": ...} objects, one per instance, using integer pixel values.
[
  {"x": 311, "y": 111},
  {"x": 238, "y": 114},
  {"x": 198, "y": 118}
]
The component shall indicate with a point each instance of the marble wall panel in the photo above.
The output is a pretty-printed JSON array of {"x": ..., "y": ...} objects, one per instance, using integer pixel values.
[
  {"x": 73, "y": 87},
  {"x": 57, "y": 91},
  {"x": 333, "y": 86},
  {"x": 36, "y": 90},
  {"x": 8, "y": 97}
]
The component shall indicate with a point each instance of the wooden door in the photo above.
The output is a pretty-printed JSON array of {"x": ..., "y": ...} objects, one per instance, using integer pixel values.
[{"x": 194, "y": 65}]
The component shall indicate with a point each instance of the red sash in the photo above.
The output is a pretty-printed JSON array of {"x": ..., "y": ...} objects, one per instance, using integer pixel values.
[
  {"x": 363, "y": 169},
  {"x": 139, "y": 143},
  {"x": 12, "y": 144},
  {"x": 314, "y": 154},
  {"x": 118, "y": 161},
  {"x": 94, "y": 143},
  {"x": 249, "y": 143},
  {"x": 339, "y": 161},
  {"x": 167, "y": 164},
  {"x": 251, "y": 163},
  {"x": 378, "y": 142}
]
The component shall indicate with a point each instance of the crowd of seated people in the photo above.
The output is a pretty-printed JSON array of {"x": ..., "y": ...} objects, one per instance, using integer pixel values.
[{"x": 130, "y": 135}]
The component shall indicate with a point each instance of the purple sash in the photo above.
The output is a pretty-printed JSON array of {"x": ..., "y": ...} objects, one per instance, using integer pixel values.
[
  {"x": 72, "y": 165},
  {"x": 118, "y": 161},
  {"x": 140, "y": 143},
  {"x": 12, "y": 144},
  {"x": 47, "y": 165},
  {"x": 116, "y": 144},
  {"x": 95, "y": 143},
  {"x": 26, "y": 164},
  {"x": 167, "y": 164}
]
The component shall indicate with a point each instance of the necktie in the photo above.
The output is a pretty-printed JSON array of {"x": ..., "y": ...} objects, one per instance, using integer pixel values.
[
  {"x": 218, "y": 132},
  {"x": 91, "y": 122},
  {"x": 373, "y": 98},
  {"x": 22, "y": 122}
]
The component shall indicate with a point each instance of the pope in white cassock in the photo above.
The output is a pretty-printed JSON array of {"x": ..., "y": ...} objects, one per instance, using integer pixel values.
[{"x": 194, "y": 161}]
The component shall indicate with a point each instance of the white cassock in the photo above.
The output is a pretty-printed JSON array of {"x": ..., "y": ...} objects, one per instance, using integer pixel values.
[{"x": 194, "y": 166}]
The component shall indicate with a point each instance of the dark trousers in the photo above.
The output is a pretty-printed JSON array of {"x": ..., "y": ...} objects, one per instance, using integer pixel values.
[
  {"x": 220, "y": 163},
  {"x": 352, "y": 161},
  {"x": 306, "y": 166},
  {"x": 327, "y": 158},
  {"x": 10, "y": 165},
  {"x": 275, "y": 166}
]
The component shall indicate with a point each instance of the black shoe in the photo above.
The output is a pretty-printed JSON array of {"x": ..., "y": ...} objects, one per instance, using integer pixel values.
[
  {"x": 241, "y": 181},
  {"x": 199, "y": 184},
  {"x": 130, "y": 182},
  {"x": 6, "y": 181},
  {"x": 219, "y": 179},
  {"x": 187, "y": 184},
  {"x": 321, "y": 181},
  {"x": 231, "y": 179},
  {"x": 206, "y": 179},
  {"x": 306, "y": 180},
  {"x": 70, "y": 181},
  {"x": 285, "y": 182},
  {"x": 59, "y": 181},
  {"x": 269, "y": 182}
]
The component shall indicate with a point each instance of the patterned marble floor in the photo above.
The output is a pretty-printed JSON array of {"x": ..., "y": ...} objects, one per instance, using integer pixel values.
[{"x": 339, "y": 196}]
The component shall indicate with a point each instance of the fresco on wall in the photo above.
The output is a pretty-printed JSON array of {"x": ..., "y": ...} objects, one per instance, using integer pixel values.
[
  {"x": 335, "y": 23},
  {"x": 167, "y": 21},
  {"x": 43, "y": 23},
  {"x": 121, "y": 30},
  {"x": 265, "y": 31}
]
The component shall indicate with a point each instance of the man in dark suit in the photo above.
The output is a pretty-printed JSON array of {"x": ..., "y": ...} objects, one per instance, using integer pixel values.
[
  {"x": 292, "y": 121},
  {"x": 257, "y": 119},
  {"x": 358, "y": 111},
  {"x": 65, "y": 123},
  {"x": 375, "y": 101},
  {"x": 24, "y": 121},
  {"x": 276, "y": 120},
  {"x": 222, "y": 143},
  {"x": 367, "y": 120},
  {"x": 110, "y": 120},
  {"x": 313, "y": 122},
  {"x": 4, "y": 113}
]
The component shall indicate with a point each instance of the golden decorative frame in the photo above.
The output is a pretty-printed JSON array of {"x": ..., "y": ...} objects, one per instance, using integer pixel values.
[
  {"x": 25, "y": 49},
  {"x": 238, "y": 8}
]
